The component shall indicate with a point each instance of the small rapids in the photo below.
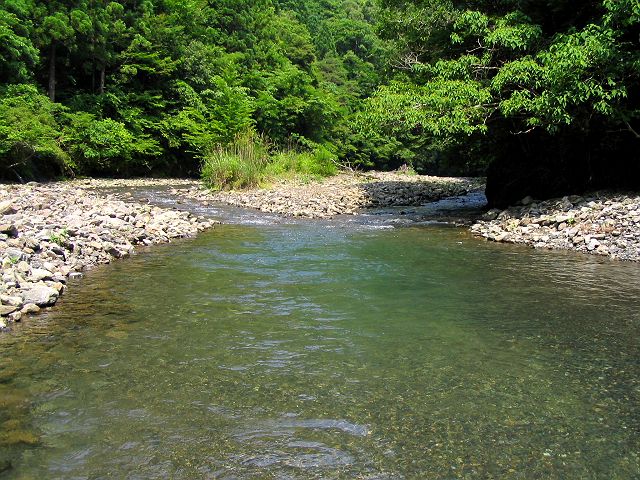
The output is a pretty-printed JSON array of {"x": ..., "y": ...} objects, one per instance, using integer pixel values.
[{"x": 458, "y": 211}]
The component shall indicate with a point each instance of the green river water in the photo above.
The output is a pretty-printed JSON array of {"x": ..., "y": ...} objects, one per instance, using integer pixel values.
[{"x": 316, "y": 350}]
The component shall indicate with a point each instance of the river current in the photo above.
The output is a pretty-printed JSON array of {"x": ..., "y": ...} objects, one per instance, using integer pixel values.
[{"x": 386, "y": 346}]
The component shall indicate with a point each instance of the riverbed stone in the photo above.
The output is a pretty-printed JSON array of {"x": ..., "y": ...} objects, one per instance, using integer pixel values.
[
  {"x": 600, "y": 223},
  {"x": 7, "y": 309},
  {"x": 58, "y": 286},
  {"x": 30, "y": 308},
  {"x": 41, "y": 295},
  {"x": 7, "y": 207},
  {"x": 15, "y": 300},
  {"x": 45, "y": 230},
  {"x": 38, "y": 274},
  {"x": 23, "y": 267}
]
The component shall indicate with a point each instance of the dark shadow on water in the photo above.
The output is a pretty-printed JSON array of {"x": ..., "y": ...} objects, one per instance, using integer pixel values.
[
  {"x": 412, "y": 193},
  {"x": 458, "y": 210}
]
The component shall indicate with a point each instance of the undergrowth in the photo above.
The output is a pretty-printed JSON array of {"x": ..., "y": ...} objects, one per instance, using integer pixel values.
[{"x": 249, "y": 161}]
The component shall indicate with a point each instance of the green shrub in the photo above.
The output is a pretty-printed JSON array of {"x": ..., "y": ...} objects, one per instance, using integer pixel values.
[
  {"x": 317, "y": 163},
  {"x": 239, "y": 164},
  {"x": 30, "y": 134},
  {"x": 245, "y": 162},
  {"x": 105, "y": 145}
]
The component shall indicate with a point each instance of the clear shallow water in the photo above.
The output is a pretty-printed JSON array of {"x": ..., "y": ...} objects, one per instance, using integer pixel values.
[{"x": 316, "y": 350}]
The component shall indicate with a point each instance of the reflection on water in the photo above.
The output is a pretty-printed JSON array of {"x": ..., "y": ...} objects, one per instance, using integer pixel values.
[{"x": 300, "y": 351}]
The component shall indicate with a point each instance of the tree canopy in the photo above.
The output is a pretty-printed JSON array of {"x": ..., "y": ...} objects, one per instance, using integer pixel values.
[
  {"x": 551, "y": 84},
  {"x": 541, "y": 94},
  {"x": 137, "y": 87}
]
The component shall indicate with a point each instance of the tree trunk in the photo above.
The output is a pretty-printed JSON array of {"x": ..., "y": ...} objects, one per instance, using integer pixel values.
[
  {"x": 52, "y": 71},
  {"x": 102, "y": 79},
  {"x": 93, "y": 64},
  {"x": 93, "y": 75}
]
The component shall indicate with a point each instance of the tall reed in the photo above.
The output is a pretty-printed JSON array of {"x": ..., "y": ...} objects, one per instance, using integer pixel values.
[{"x": 239, "y": 164}]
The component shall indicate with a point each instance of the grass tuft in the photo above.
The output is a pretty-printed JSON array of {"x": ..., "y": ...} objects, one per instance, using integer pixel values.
[
  {"x": 246, "y": 162},
  {"x": 239, "y": 164}
]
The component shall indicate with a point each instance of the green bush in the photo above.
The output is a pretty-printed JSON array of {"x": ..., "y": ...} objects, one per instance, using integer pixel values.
[
  {"x": 245, "y": 162},
  {"x": 317, "y": 163},
  {"x": 105, "y": 145},
  {"x": 30, "y": 134},
  {"x": 239, "y": 164}
]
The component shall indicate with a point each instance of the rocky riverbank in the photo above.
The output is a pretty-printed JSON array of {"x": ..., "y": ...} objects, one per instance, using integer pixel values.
[
  {"x": 55, "y": 231},
  {"x": 601, "y": 223},
  {"x": 345, "y": 194},
  {"x": 52, "y": 232}
]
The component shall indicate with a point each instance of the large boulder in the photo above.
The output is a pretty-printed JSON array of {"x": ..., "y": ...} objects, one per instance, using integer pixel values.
[
  {"x": 41, "y": 295},
  {"x": 38, "y": 274}
]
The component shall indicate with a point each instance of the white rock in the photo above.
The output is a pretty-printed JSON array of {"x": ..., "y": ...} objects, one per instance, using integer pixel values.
[
  {"x": 23, "y": 266},
  {"x": 41, "y": 295},
  {"x": 30, "y": 308},
  {"x": 7, "y": 207},
  {"x": 39, "y": 274},
  {"x": 14, "y": 301},
  {"x": 7, "y": 309}
]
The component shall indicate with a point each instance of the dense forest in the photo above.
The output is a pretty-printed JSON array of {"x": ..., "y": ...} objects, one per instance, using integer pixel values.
[
  {"x": 546, "y": 93},
  {"x": 543, "y": 95}
]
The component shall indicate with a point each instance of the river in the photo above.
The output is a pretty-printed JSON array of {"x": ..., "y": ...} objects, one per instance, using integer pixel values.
[{"x": 385, "y": 346}]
